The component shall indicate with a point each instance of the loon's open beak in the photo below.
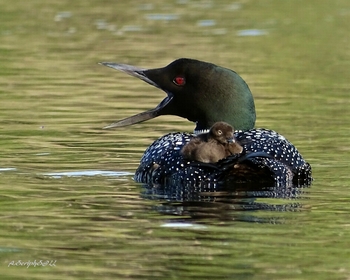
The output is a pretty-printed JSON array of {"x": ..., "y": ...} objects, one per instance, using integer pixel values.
[{"x": 144, "y": 116}]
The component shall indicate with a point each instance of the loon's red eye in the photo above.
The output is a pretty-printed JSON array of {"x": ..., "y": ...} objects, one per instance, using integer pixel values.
[{"x": 179, "y": 81}]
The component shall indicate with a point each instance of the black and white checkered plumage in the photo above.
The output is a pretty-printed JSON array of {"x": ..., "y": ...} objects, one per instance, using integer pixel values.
[{"x": 162, "y": 161}]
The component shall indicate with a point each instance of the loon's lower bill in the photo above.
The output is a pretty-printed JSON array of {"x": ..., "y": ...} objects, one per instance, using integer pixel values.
[{"x": 206, "y": 94}]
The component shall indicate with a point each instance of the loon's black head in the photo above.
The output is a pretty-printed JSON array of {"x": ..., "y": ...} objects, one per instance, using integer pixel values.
[{"x": 199, "y": 91}]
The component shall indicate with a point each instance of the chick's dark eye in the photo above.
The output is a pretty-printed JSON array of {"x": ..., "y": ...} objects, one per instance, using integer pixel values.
[{"x": 179, "y": 81}]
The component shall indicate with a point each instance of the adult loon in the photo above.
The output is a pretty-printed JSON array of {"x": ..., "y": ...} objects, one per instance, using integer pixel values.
[{"x": 205, "y": 93}]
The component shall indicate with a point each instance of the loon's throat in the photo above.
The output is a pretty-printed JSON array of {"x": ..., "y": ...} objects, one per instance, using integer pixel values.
[{"x": 200, "y": 131}]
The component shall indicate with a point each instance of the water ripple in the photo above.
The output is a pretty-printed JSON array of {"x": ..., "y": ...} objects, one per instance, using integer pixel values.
[
  {"x": 7, "y": 169},
  {"x": 252, "y": 32},
  {"x": 183, "y": 225},
  {"x": 88, "y": 173},
  {"x": 165, "y": 17}
]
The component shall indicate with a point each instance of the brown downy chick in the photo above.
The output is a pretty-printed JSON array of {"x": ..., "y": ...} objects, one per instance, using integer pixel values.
[{"x": 213, "y": 146}]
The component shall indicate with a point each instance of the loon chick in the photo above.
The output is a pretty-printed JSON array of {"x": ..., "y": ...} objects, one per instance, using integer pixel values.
[
  {"x": 205, "y": 93},
  {"x": 213, "y": 146}
]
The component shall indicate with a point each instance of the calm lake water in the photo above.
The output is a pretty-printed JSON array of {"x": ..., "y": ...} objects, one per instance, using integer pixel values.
[{"x": 68, "y": 201}]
